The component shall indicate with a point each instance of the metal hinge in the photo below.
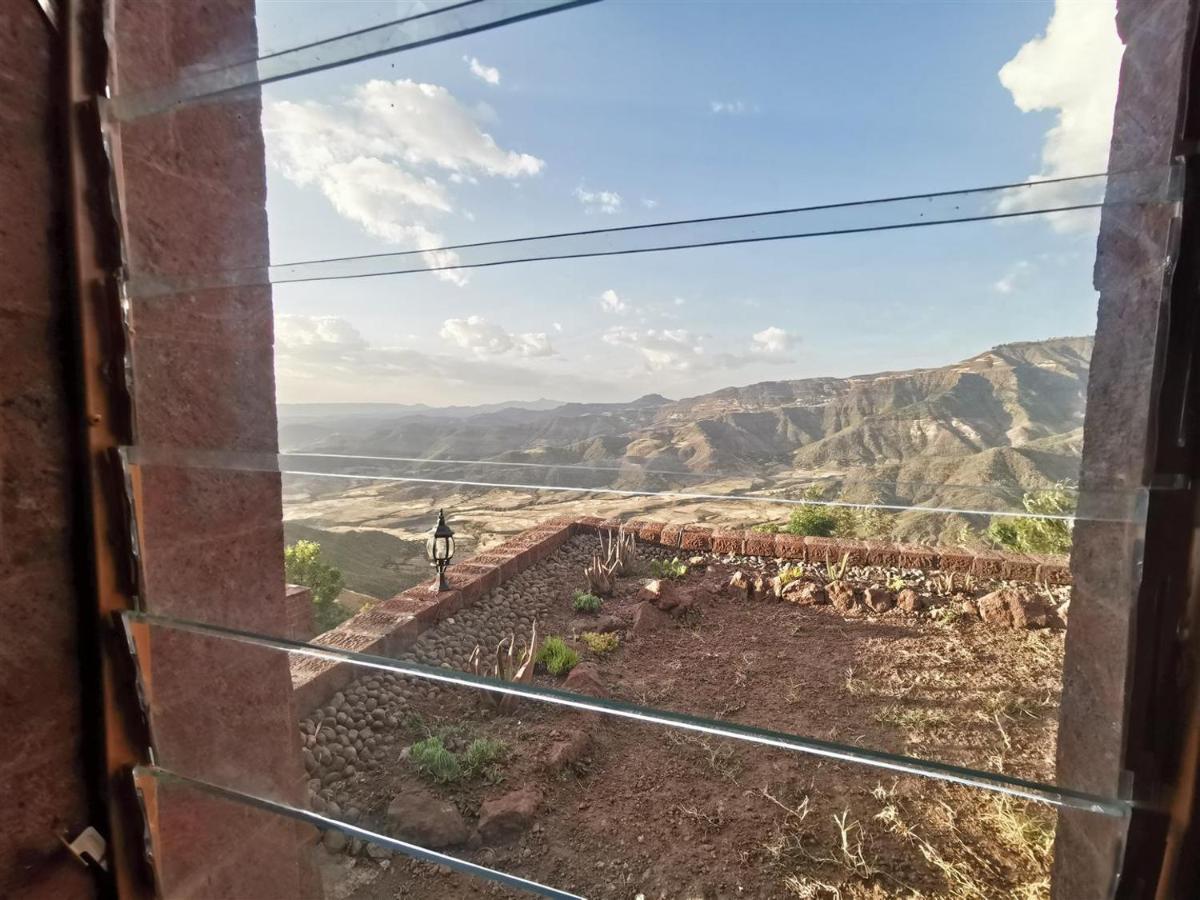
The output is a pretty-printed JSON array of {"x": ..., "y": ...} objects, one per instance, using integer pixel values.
[{"x": 89, "y": 847}]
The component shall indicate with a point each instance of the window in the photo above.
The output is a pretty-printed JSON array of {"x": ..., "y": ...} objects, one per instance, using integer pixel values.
[{"x": 779, "y": 457}]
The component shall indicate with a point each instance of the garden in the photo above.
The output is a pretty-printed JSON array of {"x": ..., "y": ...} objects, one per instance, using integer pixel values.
[{"x": 933, "y": 665}]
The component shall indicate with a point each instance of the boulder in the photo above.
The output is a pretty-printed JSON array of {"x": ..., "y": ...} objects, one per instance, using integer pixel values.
[
  {"x": 506, "y": 818},
  {"x": 1015, "y": 607},
  {"x": 910, "y": 601},
  {"x": 878, "y": 599},
  {"x": 805, "y": 593},
  {"x": 648, "y": 618},
  {"x": 660, "y": 593},
  {"x": 568, "y": 751},
  {"x": 585, "y": 679},
  {"x": 741, "y": 584},
  {"x": 842, "y": 596},
  {"x": 418, "y": 816}
]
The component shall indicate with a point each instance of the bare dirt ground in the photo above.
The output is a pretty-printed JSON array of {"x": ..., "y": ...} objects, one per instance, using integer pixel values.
[{"x": 624, "y": 809}]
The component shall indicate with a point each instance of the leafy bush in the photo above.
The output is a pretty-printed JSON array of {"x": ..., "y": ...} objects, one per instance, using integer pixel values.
[
  {"x": 433, "y": 760},
  {"x": 481, "y": 756},
  {"x": 896, "y": 583},
  {"x": 817, "y": 520},
  {"x": 811, "y": 520},
  {"x": 557, "y": 657},
  {"x": 1037, "y": 533},
  {"x": 673, "y": 568},
  {"x": 585, "y": 602},
  {"x": 766, "y": 528},
  {"x": 600, "y": 643},
  {"x": 302, "y": 564}
]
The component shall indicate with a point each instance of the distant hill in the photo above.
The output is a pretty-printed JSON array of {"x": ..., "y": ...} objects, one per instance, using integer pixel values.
[{"x": 1023, "y": 399}]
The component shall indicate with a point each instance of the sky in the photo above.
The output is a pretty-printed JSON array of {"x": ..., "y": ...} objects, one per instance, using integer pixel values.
[{"x": 624, "y": 113}]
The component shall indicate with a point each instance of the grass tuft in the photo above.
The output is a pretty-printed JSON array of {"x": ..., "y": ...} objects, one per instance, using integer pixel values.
[
  {"x": 434, "y": 761},
  {"x": 557, "y": 657}
]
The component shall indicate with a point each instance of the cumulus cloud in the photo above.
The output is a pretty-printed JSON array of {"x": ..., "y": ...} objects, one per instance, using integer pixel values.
[
  {"x": 681, "y": 350},
  {"x": 668, "y": 349},
  {"x": 377, "y": 158},
  {"x": 484, "y": 338},
  {"x": 321, "y": 358},
  {"x": 611, "y": 301},
  {"x": 606, "y": 202},
  {"x": 1071, "y": 70},
  {"x": 649, "y": 203},
  {"x": 772, "y": 340},
  {"x": 490, "y": 74}
]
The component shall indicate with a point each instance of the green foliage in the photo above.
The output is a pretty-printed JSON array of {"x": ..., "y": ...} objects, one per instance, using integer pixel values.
[
  {"x": 481, "y": 756},
  {"x": 433, "y": 760},
  {"x": 812, "y": 520},
  {"x": 557, "y": 657},
  {"x": 672, "y": 568},
  {"x": 817, "y": 520},
  {"x": 600, "y": 643},
  {"x": 585, "y": 602},
  {"x": 896, "y": 584},
  {"x": 302, "y": 564},
  {"x": 766, "y": 528},
  {"x": 788, "y": 574},
  {"x": 1036, "y": 533}
]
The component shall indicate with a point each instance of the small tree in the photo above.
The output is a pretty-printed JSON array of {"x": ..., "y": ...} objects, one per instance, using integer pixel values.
[
  {"x": 1037, "y": 532},
  {"x": 302, "y": 564}
]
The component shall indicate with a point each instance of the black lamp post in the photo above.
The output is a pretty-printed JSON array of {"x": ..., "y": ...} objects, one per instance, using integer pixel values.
[{"x": 440, "y": 548}]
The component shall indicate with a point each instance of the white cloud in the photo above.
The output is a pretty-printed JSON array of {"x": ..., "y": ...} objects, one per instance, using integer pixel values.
[
  {"x": 490, "y": 74},
  {"x": 557, "y": 326},
  {"x": 679, "y": 301},
  {"x": 661, "y": 350},
  {"x": 611, "y": 302},
  {"x": 1012, "y": 279},
  {"x": 484, "y": 338},
  {"x": 731, "y": 107},
  {"x": 319, "y": 358},
  {"x": 377, "y": 156},
  {"x": 648, "y": 203},
  {"x": 1072, "y": 70},
  {"x": 598, "y": 201},
  {"x": 772, "y": 340}
]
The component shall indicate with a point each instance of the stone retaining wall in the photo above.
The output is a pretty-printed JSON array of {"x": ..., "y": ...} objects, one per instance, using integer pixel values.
[{"x": 391, "y": 627}]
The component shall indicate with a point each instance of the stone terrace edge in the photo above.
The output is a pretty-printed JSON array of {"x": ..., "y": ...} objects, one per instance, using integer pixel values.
[{"x": 392, "y": 626}]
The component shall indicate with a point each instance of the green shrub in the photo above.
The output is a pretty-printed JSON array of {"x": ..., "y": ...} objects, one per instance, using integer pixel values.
[
  {"x": 766, "y": 528},
  {"x": 557, "y": 657},
  {"x": 600, "y": 643},
  {"x": 302, "y": 564},
  {"x": 481, "y": 756},
  {"x": 673, "y": 568},
  {"x": 585, "y": 602},
  {"x": 896, "y": 583},
  {"x": 1036, "y": 533},
  {"x": 433, "y": 760}
]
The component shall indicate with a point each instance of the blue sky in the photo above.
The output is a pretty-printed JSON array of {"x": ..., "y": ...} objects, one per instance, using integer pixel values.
[{"x": 622, "y": 113}]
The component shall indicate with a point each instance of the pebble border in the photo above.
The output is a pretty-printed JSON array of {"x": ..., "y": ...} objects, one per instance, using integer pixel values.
[{"x": 392, "y": 627}]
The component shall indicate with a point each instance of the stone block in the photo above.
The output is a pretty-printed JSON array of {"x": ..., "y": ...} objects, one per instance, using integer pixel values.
[
  {"x": 917, "y": 556},
  {"x": 651, "y": 532},
  {"x": 728, "y": 541},
  {"x": 696, "y": 539},
  {"x": 671, "y": 536},
  {"x": 988, "y": 564},
  {"x": 759, "y": 544}
]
